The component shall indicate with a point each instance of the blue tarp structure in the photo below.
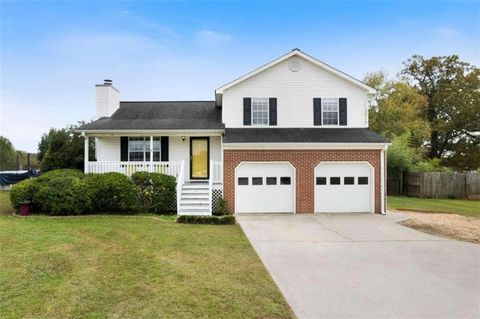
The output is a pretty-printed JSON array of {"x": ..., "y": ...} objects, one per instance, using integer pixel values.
[{"x": 13, "y": 177}]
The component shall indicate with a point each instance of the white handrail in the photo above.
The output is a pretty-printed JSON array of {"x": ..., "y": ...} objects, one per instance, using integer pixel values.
[
  {"x": 210, "y": 188},
  {"x": 180, "y": 180}
]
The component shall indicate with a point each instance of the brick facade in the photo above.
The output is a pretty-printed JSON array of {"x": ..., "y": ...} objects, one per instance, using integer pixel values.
[{"x": 304, "y": 162}]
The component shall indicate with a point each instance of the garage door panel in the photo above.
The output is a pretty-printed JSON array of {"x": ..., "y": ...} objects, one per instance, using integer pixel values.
[
  {"x": 343, "y": 187},
  {"x": 273, "y": 195}
]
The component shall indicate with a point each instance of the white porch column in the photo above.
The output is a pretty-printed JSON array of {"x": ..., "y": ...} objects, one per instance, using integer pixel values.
[
  {"x": 151, "y": 154},
  {"x": 85, "y": 155}
]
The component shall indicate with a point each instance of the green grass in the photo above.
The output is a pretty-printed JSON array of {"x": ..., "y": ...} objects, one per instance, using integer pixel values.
[
  {"x": 131, "y": 267},
  {"x": 457, "y": 206},
  {"x": 5, "y": 206}
]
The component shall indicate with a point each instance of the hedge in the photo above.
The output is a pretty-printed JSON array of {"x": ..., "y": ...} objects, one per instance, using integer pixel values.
[
  {"x": 210, "y": 220},
  {"x": 157, "y": 191},
  {"x": 62, "y": 195},
  {"x": 70, "y": 192},
  {"x": 22, "y": 192},
  {"x": 111, "y": 192}
]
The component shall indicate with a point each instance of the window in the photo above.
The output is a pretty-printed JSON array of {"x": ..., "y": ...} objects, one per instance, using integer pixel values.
[
  {"x": 257, "y": 181},
  {"x": 363, "y": 180},
  {"x": 259, "y": 111},
  {"x": 334, "y": 180},
  {"x": 349, "y": 181},
  {"x": 285, "y": 181},
  {"x": 243, "y": 181},
  {"x": 330, "y": 111},
  {"x": 271, "y": 181},
  {"x": 139, "y": 149},
  {"x": 321, "y": 181}
]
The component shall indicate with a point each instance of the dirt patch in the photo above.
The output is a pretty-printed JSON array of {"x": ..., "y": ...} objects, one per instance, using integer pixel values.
[{"x": 454, "y": 226}]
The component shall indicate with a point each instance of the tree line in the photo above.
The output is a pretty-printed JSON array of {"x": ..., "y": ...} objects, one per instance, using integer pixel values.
[{"x": 431, "y": 113}]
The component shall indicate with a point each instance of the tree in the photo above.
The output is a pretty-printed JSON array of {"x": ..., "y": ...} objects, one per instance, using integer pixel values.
[
  {"x": 397, "y": 109},
  {"x": 63, "y": 148},
  {"x": 7, "y": 154},
  {"x": 452, "y": 90}
]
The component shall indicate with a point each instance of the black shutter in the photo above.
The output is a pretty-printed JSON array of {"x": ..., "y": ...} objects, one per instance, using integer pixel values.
[
  {"x": 164, "y": 148},
  {"x": 247, "y": 111},
  {"x": 272, "y": 116},
  {"x": 317, "y": 111},
  {"x": 342, "y": 108},
  {"x": 124, "y": 148}
]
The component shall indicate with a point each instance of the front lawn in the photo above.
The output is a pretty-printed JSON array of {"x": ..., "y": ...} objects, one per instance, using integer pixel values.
[
  {"x": 5, "y": 205},
  {"x": 131, "y": 267},
  {"x": 434, "y": 205}
]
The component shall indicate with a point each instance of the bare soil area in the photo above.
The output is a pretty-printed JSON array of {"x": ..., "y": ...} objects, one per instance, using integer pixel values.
[{"x": 454, "y": 226}]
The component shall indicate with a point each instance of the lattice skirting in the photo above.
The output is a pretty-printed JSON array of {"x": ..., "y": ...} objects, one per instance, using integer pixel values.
[{"x": 216, "y": 196}]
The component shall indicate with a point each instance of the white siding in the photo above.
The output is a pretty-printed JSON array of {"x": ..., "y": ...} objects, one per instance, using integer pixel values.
[
  {"x": 295, "y": 92},
  {"x": 108, "y": 149}
]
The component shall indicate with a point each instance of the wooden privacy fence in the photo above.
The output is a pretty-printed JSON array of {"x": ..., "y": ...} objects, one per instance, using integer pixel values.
[{"x": 443, "y": 185}]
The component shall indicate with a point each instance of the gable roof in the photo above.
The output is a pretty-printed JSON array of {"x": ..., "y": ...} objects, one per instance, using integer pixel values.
[
  {"x": 297, "y": 52},
  {"x": 168, "y": 115}
]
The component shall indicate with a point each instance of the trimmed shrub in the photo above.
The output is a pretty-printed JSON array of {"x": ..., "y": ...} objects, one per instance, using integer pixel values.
[
  {"x": 111, "y": 192},
  {"x": 156, "y": 191},
  {"x": 61, "y": 173},
  {"x": 210, "y": 220},
  {"x": 22, "y": 192},
  {"x": 61, "y": 195},
  {"x": 221, "y": 209}
]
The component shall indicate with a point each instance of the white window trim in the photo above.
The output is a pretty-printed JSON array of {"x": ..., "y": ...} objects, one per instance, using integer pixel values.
[
  {"x": 268, "y": 111},
  {"x": 146, "y": 144},
  {"x": 338, "y": 112}
]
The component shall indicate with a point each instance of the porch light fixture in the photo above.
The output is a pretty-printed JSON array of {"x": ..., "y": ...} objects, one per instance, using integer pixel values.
[{"x": 183, "y": 138}]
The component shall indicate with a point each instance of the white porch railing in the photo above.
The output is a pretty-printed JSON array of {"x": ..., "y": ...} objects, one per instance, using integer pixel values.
[
  {"x": 216, "y": 170},
  {"x": 180, "y": 180},
  {"x": 128, "y": 168}
]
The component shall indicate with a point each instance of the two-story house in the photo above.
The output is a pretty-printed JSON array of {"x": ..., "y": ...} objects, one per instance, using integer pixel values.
[{"x": 289, "y": 137}]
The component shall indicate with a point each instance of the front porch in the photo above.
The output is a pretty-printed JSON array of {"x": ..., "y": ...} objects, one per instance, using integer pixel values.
[{"x": 195, "y": 162}]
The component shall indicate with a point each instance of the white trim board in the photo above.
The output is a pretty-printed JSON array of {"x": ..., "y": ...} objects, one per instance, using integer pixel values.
[{"x": 100, "y": 133}]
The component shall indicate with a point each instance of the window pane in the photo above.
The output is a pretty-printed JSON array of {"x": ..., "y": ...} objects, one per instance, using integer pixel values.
[
  {"x": 285, "y": 181},
  {"x": 271, "y": 181},
  {"x": 348, "y": 180},
  {"x": 136, "y": 156},
  {"x": 257, "y": 181},
  {"x": 363, "y": 180},
  {"x": 260, "y": 112},
  {"x": 334, "y": 180},
  {"x": 330, "y": 111},
  {"x": 321, "y": 181},
  {"x": 243, "y": 181},
  {"x": 156, "y": 156}
]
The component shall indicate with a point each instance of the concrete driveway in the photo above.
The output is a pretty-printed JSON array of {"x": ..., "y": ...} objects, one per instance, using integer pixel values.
[{"x": 365, "y": 266}]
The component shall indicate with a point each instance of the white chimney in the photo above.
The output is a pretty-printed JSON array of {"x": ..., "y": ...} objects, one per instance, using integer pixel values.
[{"x": 107, "y": 99}]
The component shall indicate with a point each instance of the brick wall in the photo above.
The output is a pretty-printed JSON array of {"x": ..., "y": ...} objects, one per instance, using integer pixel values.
[{"x": 304, "y": 161}]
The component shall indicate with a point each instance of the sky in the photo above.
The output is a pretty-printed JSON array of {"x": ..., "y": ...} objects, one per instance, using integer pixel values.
[{"x": 53, "y": 53}]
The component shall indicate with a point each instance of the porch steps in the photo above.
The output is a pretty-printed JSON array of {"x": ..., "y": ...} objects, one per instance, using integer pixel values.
[{"x": 194, "y": 199}]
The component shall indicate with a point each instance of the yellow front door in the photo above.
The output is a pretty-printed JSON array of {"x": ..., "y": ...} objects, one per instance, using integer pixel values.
[{"x": 199, "y": 157}]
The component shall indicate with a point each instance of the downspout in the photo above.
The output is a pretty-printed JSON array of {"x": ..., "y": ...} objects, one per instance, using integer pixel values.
[{"x": 383, "y": 158}]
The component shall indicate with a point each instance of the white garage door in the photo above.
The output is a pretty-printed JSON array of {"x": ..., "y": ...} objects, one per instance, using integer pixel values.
[
  {"x": 343, "y": 188},
  {"x": 264, "y": 188}
]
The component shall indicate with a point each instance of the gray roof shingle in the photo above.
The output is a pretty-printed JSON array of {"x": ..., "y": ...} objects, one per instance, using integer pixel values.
[
  {"x": 161, "y": 116},
  {"x": 302, "y": 135}
]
